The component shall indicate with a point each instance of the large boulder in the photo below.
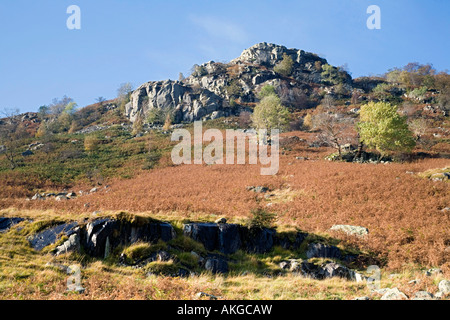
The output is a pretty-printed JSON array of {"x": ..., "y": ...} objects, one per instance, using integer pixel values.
[
  {"x": 393, "y": 294},
  {"x": 216, "y": 264},
  {"x": 332, "y": 269},
  {"x": 350, "y": 230},
  {"x": 444, "y": 287}
]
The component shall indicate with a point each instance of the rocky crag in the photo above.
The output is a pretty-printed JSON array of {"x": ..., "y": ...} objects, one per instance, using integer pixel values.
[{"x": 216, "y": 89}]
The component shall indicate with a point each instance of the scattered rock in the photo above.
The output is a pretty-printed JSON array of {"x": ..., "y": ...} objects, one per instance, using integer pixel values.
[
  {"x": 332, "y": 269},
  {"x": 58, "y": 266},
  {"x": 351, "y": 230},
  {"x": 362, "y": 298},
  {"x": 381, "y": 291},
  {"x": 439, "y": 295},
  {"x": 394, "y": 294},
  {"x": 205, "y": 295},
  {"x": 164, "y": 256},
  {"x": 444, "y": 287},
  {"x": 442, "y": 176},
  {"x": 216, "y": 264},
  {"x": 93, "y": 190},
  {"x": 260, "y": 189},
  {"x": 432, "y": 271},
  {"x": 293, "y": 265},
  {"x": 415, "y": 281},
  {"x": 358, "y": 277},
  {"x": 60, "y": 198},
  {"x": 27, "y": 153},
  {"x": 423, "y": 295},
  {"x": 37, "y": 196}
]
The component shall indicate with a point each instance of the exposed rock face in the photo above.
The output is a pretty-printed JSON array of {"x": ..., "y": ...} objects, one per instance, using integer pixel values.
[
  {"x": 205, "y": 233},
  {"x": 228, "y": 238},
  {"x": 7, "y": 223},
  {"x": 71, "y": 245},
  {"x": 258, "y": 240},
  {"x": 50, "y": 236},
  {"x": 103, "y": 233},
  {"x": 187, "y": 103},
  {"x": 98, "y": 234},
  {"x": 319, "y": 250},
  {"x": 208, "y": 92}
]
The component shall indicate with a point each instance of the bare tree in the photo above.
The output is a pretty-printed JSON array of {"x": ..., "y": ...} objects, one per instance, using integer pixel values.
[
  {"x": 124, "y": 91},
  {"x": 59, "y": 105},
  {"x": 335, "y": 130},
  {"x": 100, "y": 100}
]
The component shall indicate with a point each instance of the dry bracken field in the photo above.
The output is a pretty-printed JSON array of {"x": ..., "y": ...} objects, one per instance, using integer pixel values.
[{"x": 403, "y": 211}]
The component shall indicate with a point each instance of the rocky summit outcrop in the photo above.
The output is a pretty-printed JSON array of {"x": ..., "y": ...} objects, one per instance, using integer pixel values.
[{"x": 222, "y": 89}]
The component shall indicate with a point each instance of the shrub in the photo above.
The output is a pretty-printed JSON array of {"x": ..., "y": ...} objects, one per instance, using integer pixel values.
[
  {"x": 307, "y": 121},
  {"x": 333, "y": 75},
  {"x": 262, "y": 219},
  {"x": 234, "y": 89},
  {"x": 91, "y": 143},
  {"x": 267, "y": 90},
  {"x": 284, "y": 67}
]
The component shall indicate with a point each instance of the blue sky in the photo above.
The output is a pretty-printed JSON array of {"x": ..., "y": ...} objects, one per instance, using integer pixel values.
[{"x": 141, "y": 40}]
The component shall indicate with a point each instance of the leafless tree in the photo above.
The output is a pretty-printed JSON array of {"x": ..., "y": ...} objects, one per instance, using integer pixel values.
[
  {"x": 335, "y": 130},
  {"x": 245, "y": 119}
]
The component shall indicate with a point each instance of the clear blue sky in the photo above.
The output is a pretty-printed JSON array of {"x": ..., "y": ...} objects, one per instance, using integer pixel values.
[{"x": 141, "y": 40}]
